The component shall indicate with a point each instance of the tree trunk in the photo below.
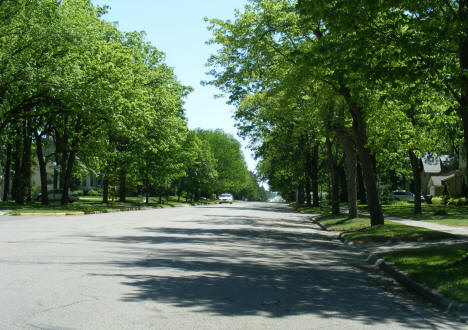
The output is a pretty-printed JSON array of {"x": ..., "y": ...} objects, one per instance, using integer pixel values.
[
  {"x": 370, "y": 177},
  {"x": 123, "y": 185},
  {"x": 416, "y": 169},
  {"x": 7, "y": 174},
  {"x": 105, "y": 190},
  {"x": 67, "y": 176},
  {"x": 308, "y": 191},
  {"x": 147, "y": 194},
  {"x": 63, "y": 166},
  {"x": 463, "y": 59},
  {"x": 343, "y": 195},
  {"x": 300, "y": 193},
  {"x": 308, "y": 177},
  {"x": 27, "y": 161},
  {"x": 42, "y": 168},
  {"x": 360, "y": 184},
  {"x": 314, "y": 176},
  {"x": 349, "y": 148},
  {"x": 333, "y": 167},
  {"x": 18, "y": 182}
]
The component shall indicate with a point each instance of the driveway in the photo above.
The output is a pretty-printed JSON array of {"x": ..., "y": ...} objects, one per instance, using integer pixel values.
[{"x": 240, "y": 266}]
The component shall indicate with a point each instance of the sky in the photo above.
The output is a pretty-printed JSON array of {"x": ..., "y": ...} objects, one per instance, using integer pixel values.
[{"x": 178, "y": 29}]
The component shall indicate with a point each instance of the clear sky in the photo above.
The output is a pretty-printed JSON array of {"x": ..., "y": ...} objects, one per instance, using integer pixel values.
[{"x": 177, "y": 28}]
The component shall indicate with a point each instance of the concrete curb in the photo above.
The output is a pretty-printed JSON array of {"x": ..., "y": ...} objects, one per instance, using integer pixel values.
[
  {"x": 435, "y": 297},
  {"x": 97, "y": 212},
  {"x": 75, "y": 213},
  {"x": 455, "y": 307},
  {"x": 46, "y": 214},
  {"x": 314, "y": 220}
]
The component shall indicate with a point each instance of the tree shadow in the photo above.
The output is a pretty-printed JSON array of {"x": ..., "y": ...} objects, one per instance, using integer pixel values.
[
  {"x": 259, "y": 206},
  {"x": 260, "y": 268}
]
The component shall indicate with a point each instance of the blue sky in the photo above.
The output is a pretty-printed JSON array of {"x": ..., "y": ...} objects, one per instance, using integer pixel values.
[{"x": 177, "y": 28}]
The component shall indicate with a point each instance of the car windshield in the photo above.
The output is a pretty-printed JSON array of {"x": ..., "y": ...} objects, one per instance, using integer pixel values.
[{"x": 225, "y": 195}]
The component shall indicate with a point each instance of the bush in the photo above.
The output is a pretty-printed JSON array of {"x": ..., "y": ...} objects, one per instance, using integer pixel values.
[
  {"x": 445, "y": 199},
  {"x": 93, "y": 192},
  {"x": 457, "y": 201},
  {"x": 78, "y": 192},
  {"x": 437, "y": 201},
  {"x": 35, "y": 191}
]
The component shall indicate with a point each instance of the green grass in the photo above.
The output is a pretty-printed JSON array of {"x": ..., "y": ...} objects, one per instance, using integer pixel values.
[
  {"x": 310, "y": 209},
  {"x": 90, "y": 204},
  {"x": 342, "y": 223},
  {"x": 445, "y": 269},
  {"x": 394, "y": 232},
  {"x": 455, "y": 215},
  {"x": 359, "y": 230}
]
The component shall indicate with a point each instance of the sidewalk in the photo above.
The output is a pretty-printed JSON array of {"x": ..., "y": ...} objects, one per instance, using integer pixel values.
[
  {"x": 460, "y": 231},
  {"x": 373, "y": 253},
  {"x": 455, "y": 230}
]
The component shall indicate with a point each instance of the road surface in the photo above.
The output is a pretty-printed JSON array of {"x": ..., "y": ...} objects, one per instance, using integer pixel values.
[{"x": 240, "y": 266}]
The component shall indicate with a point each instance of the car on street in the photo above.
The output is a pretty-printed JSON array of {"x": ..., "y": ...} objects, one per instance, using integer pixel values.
[
  {"x": 225, "y": 198},
  {"x": 402, "y": 195},
  {"x": 56, "y": 195}
]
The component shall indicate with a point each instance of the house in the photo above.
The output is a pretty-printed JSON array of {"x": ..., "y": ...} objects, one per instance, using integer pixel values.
[
  {"x": 89, "y": 179},
  {"x": 442, "y": 174}
]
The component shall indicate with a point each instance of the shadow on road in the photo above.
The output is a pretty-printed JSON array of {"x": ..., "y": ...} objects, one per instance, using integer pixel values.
[{"x": 264, "y": 267}]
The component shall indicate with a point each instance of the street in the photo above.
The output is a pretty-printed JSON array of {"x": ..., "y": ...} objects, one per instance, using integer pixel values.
[{"x": 240, "y": 266}]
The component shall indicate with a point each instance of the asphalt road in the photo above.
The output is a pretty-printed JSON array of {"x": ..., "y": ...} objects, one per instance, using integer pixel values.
[{"x": 240, "y": 266}]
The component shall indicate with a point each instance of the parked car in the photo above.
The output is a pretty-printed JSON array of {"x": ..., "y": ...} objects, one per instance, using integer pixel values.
[
  {"x": 56, "y": 195},
  {"x": 402, "y": 195},
  {"x": 225, "y": 198}
]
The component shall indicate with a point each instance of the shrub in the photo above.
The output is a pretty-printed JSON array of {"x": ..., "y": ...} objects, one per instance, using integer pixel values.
[
  {"x": 452, "y": 201},
  {"x": 35, "y": 191},
  {"x": 93, "y": 192},
  {"x": 78, "y": 192},
  {"x": 437, "y": 201},
  {"x": 445, "y": 199},
  {"x": 457, "y": 201}
]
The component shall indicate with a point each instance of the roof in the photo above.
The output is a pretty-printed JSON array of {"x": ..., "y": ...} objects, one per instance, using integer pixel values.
[
  {"x": 437, "y": 180},
  {"x": 431, "y": 164}
]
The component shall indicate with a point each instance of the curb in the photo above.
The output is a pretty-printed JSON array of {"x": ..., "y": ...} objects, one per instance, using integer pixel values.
[
  {"x": 47, "y": 214},
  {"x": 75, "y": 213},
  {"x": 97, "y": 212},
  {"x": 314, "y": 220},
  {"x": 458, "y": 308}
]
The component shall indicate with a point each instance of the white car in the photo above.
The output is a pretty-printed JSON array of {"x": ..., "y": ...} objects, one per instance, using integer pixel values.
[
  {"x": 403, "y": 195},
  {"x": 225, "y": 198}
]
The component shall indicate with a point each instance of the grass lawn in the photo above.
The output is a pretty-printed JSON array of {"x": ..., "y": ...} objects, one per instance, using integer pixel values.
[
  {"x": 309, "y": 209},
  {"x": 445, "y": 269},
  {"x": 359, "y": 230},
  {"x": 455, "y": 215},
  {"x": 90, "y": 204},
  {"x": 342, "y": 223}
]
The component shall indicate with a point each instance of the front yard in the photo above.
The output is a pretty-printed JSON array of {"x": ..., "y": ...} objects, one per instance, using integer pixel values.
[
  {"x": 90, "y": 204},
  {"x": 442, "y": 268}
]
